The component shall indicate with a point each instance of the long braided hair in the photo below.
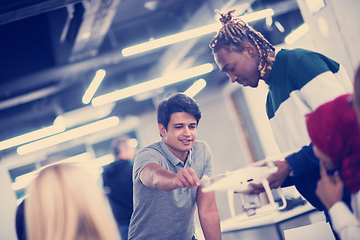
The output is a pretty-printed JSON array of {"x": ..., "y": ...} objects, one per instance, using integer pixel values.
[{"x": 237, "y": 32}]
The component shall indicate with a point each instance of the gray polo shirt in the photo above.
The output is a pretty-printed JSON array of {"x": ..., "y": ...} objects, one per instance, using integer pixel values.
[{"x": 167, "y": 215}]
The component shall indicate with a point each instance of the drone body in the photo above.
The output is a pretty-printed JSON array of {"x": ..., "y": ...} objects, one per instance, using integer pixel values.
[{"x": 238, "y": 181}]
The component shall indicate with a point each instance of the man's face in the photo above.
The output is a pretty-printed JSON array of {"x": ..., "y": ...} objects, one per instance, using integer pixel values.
[
  {"x": 329, "y": 165},
  {"x": 180, "y": 135},
  {"x": 240, "y": 67}
]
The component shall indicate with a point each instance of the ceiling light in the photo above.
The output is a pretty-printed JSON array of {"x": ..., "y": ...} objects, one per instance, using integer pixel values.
[
  {"x": 98, "y": 162},
  {"x": 85, "y": 115},
  {"x": 257, "y": 15},
  {"x": 69, "y": 135},
  {"x": 99, "y": 76},
  {"x": 178, "y": 37},
  {"x": 297, "y": 33},
  {"x": 86, "y": 35},
  {"x": 153, "y": 84},
  {"x": 28, "y": 137},
  {"x": 268, "y": 21},
  {"x": 151, "y": 5},
  {"x": 279, "y": 26},
  {"x": 197, "y": 32},
  {"x": 66, "y": 120},
  {"x": 23, "y": 180},
  {"x": 195, "y": 88},
  {"x": 148, "y": 95},
  {"x": 82, "y": 157}
]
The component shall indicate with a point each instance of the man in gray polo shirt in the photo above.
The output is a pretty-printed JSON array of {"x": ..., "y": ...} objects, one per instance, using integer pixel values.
[{"x": 166, "y": 178}]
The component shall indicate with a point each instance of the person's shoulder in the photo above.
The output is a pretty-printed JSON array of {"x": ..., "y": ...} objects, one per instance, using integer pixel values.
[
  {"x": 152, "y": 149},
  {"x": 298, "y": 53},
  {"x": 297, "y": 59},
  {"x": 108, "y": 169},
  {"x": 291, "y": 53},
  {"x": 199, "y": 144}
]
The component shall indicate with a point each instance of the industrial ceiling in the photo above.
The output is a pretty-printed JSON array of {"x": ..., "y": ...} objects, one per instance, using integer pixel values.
[{"x": 51, "y": 49}]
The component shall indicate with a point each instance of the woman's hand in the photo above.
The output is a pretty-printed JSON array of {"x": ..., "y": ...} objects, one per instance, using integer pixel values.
[{"x": 329, "y": 188}]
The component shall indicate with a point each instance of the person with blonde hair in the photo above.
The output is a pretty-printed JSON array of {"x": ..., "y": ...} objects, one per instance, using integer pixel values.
[{"x": 64, "y": 202}]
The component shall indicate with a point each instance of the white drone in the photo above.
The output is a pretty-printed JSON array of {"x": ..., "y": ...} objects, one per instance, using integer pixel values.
[{"x": 238, "y": 181}]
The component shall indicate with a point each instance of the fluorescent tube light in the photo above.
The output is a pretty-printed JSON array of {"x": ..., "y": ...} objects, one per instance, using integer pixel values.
[
  {"x": 178, "y": 37},
  {"x": 297, "y": 33},
  {"x": 23, "y": 180},
  {"x": 82, "y": 157},
  {"x": 186, "y": 35},
  {"x": 95, "y": 167},
  {"x": 98, "y": 162},
  {"x": 99, "y": 76},
  {"x": 279, "y": 26},
  {"x": 195, "y": 88},
  {"x": 85, "y": 115},
  {"x": 269, "y": 21},
  {"x": 66, "y": 120},
  {"x": 28, "y": 137},
  {"x": 82, "y": 160},
  {"x": 257, "y": 15},
  {"x": 69, "y": 135},
  {"x": 153, "y": 84}
]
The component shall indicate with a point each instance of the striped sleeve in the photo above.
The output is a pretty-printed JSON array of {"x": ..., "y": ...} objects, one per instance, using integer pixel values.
[{"x": 320, "y": 79}]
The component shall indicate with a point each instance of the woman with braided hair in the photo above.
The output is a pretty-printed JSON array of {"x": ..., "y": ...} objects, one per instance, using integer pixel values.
[{"x": 299, "y": 81}]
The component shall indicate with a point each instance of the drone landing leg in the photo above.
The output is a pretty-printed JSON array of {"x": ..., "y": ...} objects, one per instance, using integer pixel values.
[{"x": 230, "y": 195}]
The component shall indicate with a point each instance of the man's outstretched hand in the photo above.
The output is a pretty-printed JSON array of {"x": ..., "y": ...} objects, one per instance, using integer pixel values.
[{"x": 187, "y": 178}]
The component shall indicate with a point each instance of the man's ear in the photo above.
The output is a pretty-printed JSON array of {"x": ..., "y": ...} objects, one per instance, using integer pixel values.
[
  {"x": 162, "y": 130},
  {"x": 250, "y": 49}
]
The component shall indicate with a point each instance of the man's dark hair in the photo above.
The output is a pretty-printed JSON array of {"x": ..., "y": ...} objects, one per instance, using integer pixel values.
[
  {"x": 178, "y": 102},
  {"x": 118, "y": 143}
]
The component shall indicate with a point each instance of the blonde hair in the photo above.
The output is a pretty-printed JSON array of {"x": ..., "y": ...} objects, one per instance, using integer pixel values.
[
  {"x": 237, "y": 32},
  {"x": 65, "y": 203}
]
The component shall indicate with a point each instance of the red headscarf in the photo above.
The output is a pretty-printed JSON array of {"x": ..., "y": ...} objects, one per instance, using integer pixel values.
[{"x": 333, "y": 128}]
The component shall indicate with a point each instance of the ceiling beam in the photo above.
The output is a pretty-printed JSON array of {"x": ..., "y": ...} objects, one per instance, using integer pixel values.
[
  {"x": 66, "y": 73},
  {"x": 25, "y": 11},
  {"x": 95, "y": 25}
]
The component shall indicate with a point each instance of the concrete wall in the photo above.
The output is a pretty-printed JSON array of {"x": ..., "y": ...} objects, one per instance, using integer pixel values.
[
  {"x": 334, "y": 30},
  {"x": 7, "y": 206}
]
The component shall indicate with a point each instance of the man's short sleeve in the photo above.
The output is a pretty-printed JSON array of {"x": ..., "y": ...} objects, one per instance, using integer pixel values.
[
  {"x": 208, "y": 166},
  {"x": 143, "y": 158}
]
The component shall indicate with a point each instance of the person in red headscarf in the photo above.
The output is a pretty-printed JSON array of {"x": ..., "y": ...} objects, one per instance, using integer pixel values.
[{"x": 334, "y": 129}]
